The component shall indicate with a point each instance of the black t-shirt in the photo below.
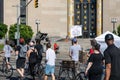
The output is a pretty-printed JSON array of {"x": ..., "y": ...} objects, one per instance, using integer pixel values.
[
  {"x": 96, "y": 67},
  {"x": 39, "y": 48},
  {"x": 112, "y": 56}
]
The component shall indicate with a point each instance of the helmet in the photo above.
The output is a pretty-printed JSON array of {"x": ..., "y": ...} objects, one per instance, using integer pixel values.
[
  {"x": 109, "y": 37},
  {"x": 21, "y": 40}
]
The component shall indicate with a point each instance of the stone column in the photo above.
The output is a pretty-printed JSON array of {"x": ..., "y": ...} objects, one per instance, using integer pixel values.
[
  {"x": 70, "y": 15},
  {"x": 99, "y": 17}
]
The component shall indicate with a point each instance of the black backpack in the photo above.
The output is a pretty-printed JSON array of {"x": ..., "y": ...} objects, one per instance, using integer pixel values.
[
  {"x": 33, "y": 56},
  {"x": 40, "y": 51}
]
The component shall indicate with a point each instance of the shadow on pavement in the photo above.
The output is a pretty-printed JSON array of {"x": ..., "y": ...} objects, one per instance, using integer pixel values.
[{"x": 16, "y": 78}]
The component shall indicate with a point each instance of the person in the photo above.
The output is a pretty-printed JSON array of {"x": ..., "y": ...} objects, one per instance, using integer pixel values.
[
  {"x": 91, "y": 51},
  {"x": 21, "y": 57},
  {"x": 7, "y": 49},
  {"x": 112, "y": 59},
  {"x": 50, "y": 62},
  {"x": 56, "y": 48},
  {"x": 40, "y": 50},
  {"x": 94, "y": 68},
  {"x": 74, "y": 50},
  {"x": 32, "y": 57}
]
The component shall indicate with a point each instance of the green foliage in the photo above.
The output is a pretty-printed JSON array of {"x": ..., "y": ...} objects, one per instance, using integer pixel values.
[
  {"x": 1, "y": 47},
  {"x": 3, "y": 30},
  {"x": 26, "y": 31},
  {"x": 118, "y": 30},
  {"x": 114, "y": 32}
]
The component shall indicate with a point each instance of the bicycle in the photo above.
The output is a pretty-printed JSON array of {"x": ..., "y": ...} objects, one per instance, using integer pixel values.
[
  {"x": 38, "y": 70},
  {"x": 80, "y": 76},
  {"x": 67, "y": 70},
  {"x": 7, "y": 72}
]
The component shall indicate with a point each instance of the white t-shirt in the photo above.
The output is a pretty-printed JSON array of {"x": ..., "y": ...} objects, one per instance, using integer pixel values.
[
  {"x": 74, "y": 50},
  {"x": 50, "y": 57},
  {"x": 7, "y": 49}
]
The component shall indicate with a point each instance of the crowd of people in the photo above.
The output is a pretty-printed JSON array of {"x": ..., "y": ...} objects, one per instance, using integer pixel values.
[{"x": 32, "y": 53}]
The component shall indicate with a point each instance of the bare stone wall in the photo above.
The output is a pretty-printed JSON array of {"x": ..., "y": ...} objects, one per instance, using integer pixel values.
[
  {"x": 10, "y": 12},
  {"x": 110, "y": 10},
  {"x": 52, "y": 15}
]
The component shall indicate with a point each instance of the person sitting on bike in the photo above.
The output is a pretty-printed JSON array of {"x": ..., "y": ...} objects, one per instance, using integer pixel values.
[
  {"x": 32, "y": 57},
  {"x": 7, "y": 49}
]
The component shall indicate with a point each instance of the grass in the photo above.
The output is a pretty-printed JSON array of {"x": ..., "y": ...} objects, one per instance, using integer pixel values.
[{"x": 1, "y": 47}]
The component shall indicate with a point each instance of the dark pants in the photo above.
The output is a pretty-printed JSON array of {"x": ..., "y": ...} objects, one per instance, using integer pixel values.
[
  {"x": 31, "y": 67},
  {"x": 95, "y": 76}
]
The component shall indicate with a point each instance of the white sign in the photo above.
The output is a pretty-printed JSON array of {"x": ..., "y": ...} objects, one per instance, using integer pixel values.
[
  {"x": 17, "y": 36},
  {"x": 76, "y": 31}
]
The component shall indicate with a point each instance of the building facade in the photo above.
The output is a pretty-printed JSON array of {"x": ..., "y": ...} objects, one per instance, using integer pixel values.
[
  {"x": 58, "y": 16},
  {"x": 1, "y": 11}
]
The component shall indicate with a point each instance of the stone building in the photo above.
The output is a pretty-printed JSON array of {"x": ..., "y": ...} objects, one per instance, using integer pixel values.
[{"x": 58, "y": 16}]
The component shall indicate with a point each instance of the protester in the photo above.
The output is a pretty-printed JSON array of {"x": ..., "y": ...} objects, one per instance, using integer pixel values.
[
  {"x": 56, "y": 48},
  {"x": 20, "y": 62},
  {"x": 94, "y": 69},
  {"x": 91, "y": 51},
  {"x": 40, "y": 50},
  {"x": 32, "y": 57},
  {"x": 7, "y": 49},
  {"x": 50, "y": 62},
  {"x": 112, "y": 59},
  {"x": 74, "y": 50}
]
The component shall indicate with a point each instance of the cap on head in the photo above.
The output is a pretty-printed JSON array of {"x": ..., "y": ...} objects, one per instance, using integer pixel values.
[
  {"x": 74, "y": 40},
  {"x": 109, "y": 37},
  {"x": 21, "y": 40}
]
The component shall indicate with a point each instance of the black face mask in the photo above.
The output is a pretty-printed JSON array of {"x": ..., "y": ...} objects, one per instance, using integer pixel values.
[
  {"x": 32, "y": 46},
  {"x": 22, "y": 43}
]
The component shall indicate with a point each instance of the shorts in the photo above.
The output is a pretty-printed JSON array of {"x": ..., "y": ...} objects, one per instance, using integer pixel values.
[
  {"x": 7, "y": 59},
  {"x": 49, "y": 69},
  {"x": 20, "y": 63}
]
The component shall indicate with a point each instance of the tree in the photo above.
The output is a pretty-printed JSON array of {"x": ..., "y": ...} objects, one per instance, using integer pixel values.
[
  {"x": 118, "y": 30},
  {"x": 3, "y": 30},
  {"x": 114, "y": 31},
  {"x": 26, "y": 31}
]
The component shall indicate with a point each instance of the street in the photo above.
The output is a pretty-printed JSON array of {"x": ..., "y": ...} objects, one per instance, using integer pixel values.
[{"x": 63, "y": 55}]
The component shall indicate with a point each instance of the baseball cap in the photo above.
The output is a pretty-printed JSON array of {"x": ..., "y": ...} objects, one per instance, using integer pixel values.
[
  {"x": 109, "y": 37},
  {"x": 74, "y": 40}
]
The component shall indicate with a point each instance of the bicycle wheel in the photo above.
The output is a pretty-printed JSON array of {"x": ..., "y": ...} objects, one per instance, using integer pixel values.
[
  {"x": 64, "y": 75},
  {"x": 71, "y": 74},
  {"x": 8, "y": 72},
  {"x": 80, "y": 76},
  {"x": 39, "y": 70}
]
